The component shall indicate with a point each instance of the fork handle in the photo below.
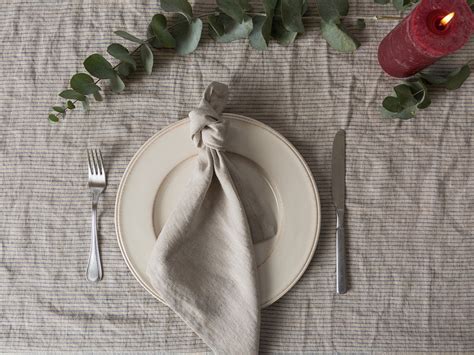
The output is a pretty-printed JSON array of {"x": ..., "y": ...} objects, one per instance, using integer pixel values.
[{"x": 94, "y": 268}]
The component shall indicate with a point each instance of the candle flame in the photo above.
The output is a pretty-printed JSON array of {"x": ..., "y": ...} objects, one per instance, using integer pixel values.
[{"x": 446, "y": 19}]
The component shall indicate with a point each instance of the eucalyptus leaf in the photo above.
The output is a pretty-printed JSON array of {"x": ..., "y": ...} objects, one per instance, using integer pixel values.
[
  {"x": 291, "y": 12},
  {"x": 125, "y": 69},
  {"x": 129, "y": 37},
  {"x": 72, "y": 95},
  {"x": 342, "y": 7},
  {"x": 59, "y": 109},
  {"x": 232, "y": 30},
  {"x": 431, "y": 78},
  {"x": 270, "y": 5},
  {"x": 392, "y": 104},
  {"x": 262, "y": 26},
  {"x": 180, "y": 6},
  {"x": 405, "y": 114},
  {"x": 146, "y": 56},
  {"x": 85, "y": 105},
  {"x": 99, "y": 67},
  {"x": 360, "y": 23},
  {"x": 420, "y": 92},
  {"x": 117, "y": 84},
  {"x": 304, "y": 8},
  {"x": 281, "y": 34},
  {"x": 425, "y": 102},
  {"x": 153, "y": 41},
  {"x": 84, "y": 84},
  {"x": 405, "y": 95},
  {"x": 121, "y": 53},
  {"x": 158, "y": 26},
  {"x": 332, "y": 10},
  {"x": 216, "y": 27},
  {"x": 401, "y": 5},
  {"x": 70, "y": 105},
  {"x": 97, "y": 96},
  {"x": 456, "y": 78},
  {"x": 261, "y": 32},
  {"x": 233, "y": 8},
  {"x": 53, "y": 118},
  {"x": 338, "y": 37},
  {"x": 245, "y": 4},
  {"x": 187, "y": 36}
]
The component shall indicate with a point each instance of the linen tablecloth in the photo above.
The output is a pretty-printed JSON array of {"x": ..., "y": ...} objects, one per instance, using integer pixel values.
[{"x": 410, "y": 198}]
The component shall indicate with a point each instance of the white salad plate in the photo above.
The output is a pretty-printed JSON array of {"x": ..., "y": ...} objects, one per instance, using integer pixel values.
[{"x": 156, "y": 178}]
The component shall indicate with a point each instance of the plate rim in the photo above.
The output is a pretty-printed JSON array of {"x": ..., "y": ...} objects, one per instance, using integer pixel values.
[{"x": 255, "y": 122}]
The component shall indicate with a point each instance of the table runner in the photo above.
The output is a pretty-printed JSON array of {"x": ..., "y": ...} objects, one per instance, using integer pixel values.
[{"x": 410, "y": 199}]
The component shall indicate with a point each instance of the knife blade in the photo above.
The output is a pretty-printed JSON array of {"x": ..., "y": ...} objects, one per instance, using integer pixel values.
[{"x": 338, "y": 195}]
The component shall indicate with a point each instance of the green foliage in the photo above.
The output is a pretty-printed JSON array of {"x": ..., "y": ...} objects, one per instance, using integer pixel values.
[
  {"x": 72, "y": 95},
  {"x": 224, "y": 29},
  {"x": 85, "y": 104},
  {"x": 59, "y": 109},
  {"x": 360, "y": 23},
  {"x": 281, "y": 28},
  {"x": 97, "y": 96},
  {"x": 332, "y": 28},
  {"x": 413, "y": 94},
  {"x": 117, "y": 84},
  {"x": 282, "y": 20},
  {"x": 338, "y": 37},
  {"x": 262, "y": 26},
  {"x": 163, "y": 36},
  {"x": 187, "y": 36},
  {"x": 180, "y": 6},
  {"x": 235, "y": 9},
  {"x": 53, "y": 118},
  {"x": 99, "y": 67},
  {"x": 84, "y": 84},
  {"x": 129, "y": 37},
  {"x": 291, "y": 15},
  {"x": 452, "y": 81},
  {"x": 261, "y": 32},
  {"x": 400, "y": 5},
  {"x": 146, "y": 55},
  {"x": 121, "y": 53}
]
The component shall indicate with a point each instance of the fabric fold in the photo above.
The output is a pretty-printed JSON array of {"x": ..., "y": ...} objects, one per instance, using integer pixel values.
[{"x": 203, "y": 263}]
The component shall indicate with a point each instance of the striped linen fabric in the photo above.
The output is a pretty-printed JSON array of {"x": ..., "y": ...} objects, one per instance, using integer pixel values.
[{"x": 410, "y": 189}]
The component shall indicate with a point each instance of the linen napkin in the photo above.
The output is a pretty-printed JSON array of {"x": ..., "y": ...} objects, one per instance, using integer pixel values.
[{"x": 202, "y": 263}]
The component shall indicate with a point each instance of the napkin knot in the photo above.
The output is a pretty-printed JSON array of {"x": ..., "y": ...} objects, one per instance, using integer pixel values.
[{"x": 208, "y": 128}]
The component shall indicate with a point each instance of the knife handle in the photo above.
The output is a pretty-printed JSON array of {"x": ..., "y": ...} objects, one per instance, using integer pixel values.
[{"x": 341, "y": 282}]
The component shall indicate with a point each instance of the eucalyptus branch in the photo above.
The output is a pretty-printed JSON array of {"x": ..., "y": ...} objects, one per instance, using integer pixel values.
[
  {"x": 281, "y": 20},
  {"x": 413, "y": 94}
]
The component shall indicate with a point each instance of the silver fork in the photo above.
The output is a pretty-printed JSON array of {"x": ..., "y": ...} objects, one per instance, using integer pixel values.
[{"x": 97, "y": 185}]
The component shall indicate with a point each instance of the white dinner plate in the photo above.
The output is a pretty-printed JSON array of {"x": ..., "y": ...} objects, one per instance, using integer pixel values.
[{"x": 156, "y": 178}]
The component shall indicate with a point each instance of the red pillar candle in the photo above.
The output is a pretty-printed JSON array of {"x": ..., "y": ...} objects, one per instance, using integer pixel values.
[{"x": 433, "y": 29}]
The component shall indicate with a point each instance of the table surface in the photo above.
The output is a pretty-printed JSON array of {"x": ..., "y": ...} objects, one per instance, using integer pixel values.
[{"x": 410, "y": 196}]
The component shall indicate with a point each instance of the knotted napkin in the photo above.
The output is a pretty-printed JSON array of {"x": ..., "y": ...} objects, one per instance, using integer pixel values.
[{"x": 202, "y": 263}]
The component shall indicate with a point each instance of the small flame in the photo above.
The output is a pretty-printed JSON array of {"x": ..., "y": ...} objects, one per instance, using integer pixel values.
[{"x": 446, "y": 19}]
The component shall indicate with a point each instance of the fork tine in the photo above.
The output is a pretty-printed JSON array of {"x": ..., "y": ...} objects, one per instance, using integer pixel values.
[
  {"x": 97, "y": 162},
  {"x": 90, "y": 162},
  {"x": 94, "y": 159},
  {"x": 101, "y": 162}
]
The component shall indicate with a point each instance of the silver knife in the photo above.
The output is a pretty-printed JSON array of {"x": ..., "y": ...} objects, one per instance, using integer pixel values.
[{"x": 338, "y": 194}]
